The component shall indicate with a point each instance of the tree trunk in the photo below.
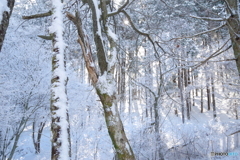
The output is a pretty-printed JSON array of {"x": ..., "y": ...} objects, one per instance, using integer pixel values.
[
  {"x": 17, "y": 135},
  {"x": 234, "y": 29},
  {"x": 5, "y": 21},
  {"x": 213, "y": 99},
  {"x": 208, "y": 92},
  {"x": 201, "y": 100},
  {"x": 59, "y": 109},
  {"x": 187, "y": 93},
  {"x": 103, "y": 85},
  {"x": 180, "y": 86},
  {"x": 39, "y": 130},
  {"x": 157, "y": 125}
]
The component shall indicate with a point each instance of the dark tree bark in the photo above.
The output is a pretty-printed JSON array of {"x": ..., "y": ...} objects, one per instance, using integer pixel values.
[
  {"x": 5, "y": 22},
  {"x": 38, "y": 131},
  {"x": 60, "y": 128},
  {"x": 187, "y": 94},
  {"x": 234, "y": 28},
  {"x": 213, "y": 99}
]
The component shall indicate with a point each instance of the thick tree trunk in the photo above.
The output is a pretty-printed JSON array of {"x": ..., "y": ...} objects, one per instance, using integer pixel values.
[
  {"x": 102, "y": 85},
  {"x": 234, "y": 29},
  {"x": 59, "y": 110},
  {"x": 115, "y": 127},
  {"x": 5, "y": 22}
]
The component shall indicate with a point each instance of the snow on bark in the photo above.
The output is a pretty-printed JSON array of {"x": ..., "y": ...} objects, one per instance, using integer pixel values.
[
  {"x": 106, "y": 84},
  {"x": 3, "y": 8},
  {"x": 98, "y": 14},
  {"x": 59, "y": 108}
]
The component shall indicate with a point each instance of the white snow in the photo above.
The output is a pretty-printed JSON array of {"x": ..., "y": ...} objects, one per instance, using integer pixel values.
[
  {"x": 106, "y": 84},
  {"x": 98, "y": 14},
  {"x": 3, "y": 8},
  {"x": 59, "y": 87},
  {"x": 112, "y": 35},
  {"x": 112, "y": 58}
]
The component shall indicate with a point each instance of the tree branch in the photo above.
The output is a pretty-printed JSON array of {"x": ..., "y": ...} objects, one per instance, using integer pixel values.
[
  {"x": 234, "y": 133},
  {"x": 49, "y": 13},
  {"x": 141, "y": 33},
  {"x": 209, "y": 18},
  {"x": 229, "y": 8},
  {"x": 119, "y": 9},
  {"x": 216, "y": 53}
]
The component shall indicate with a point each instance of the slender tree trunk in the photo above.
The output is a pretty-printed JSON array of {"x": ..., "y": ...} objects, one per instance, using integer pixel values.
[
  {"x": 208, "y": 92},
  {"x": 59, "y": 108},
  {"x": 187, "y": 92},
  {"x": 213, "y": 98},
  {"x": 180, "y": 86},
  {"x": 201, "y": 100},
  {"x": 36, "y": 141},
  {"x": 5, "y": 21},
  {"x": 17, "y": 135},
  {"x": 236, "y": 108}
]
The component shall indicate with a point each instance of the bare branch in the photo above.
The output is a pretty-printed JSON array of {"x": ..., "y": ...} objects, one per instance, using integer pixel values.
[
  {"x": 119, "y": 9},
  {"x": 138, "y": 83},
  {"x": 216, "y": 53},
  {"x": 142, "y": 33},
  {"x": 49, "y": 13},
  {"x": 234, "y": 133},
  {"x": 198, "y": 34},
  {"x": 229, "y": 8},
  {"x": 85, "y": 46},
  {"x": 50, "y": 37},
  {"x": 210, "y": 18}
]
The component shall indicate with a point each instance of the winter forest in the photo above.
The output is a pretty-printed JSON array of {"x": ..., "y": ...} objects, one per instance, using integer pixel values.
[{"x": 119, "y": 79}]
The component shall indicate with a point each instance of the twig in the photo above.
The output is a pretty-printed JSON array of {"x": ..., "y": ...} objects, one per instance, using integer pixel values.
[{"x": 119, "y": 9}]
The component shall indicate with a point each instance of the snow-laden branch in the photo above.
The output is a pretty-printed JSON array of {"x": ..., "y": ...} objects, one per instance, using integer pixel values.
[
  {"x": 210, "y": 18},
  {"x": 59, "y": 107}
]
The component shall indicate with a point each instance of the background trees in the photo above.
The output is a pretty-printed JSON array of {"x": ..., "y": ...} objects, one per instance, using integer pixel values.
[{"x": 174, "y": 63}]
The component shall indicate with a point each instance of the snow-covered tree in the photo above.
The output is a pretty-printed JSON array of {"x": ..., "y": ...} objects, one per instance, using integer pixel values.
[{"x": 59, "y": 105}]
